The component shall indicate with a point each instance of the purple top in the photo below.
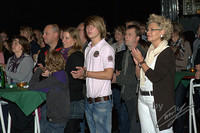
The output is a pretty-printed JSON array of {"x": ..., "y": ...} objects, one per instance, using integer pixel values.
[{"x": 64, "y": 52}]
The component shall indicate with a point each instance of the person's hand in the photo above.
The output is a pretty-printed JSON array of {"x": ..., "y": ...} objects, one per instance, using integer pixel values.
[
  {"x": 79, "y": 73},
  {"x": 46, "y": 73},
  {"x": 117, "y": 73},
  {"x": 114, "y": 78},
  {"x": 137, "y": 56},
  {"x": 136, "y": 62}
]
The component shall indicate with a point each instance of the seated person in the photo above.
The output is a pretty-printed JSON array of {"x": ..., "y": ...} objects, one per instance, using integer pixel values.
[
  {"x": 55, "y": 112},
  {"x": 19, "y": 68}
]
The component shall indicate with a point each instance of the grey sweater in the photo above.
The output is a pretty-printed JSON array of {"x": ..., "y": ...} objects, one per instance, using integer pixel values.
[{"x": 24, "y": 70}]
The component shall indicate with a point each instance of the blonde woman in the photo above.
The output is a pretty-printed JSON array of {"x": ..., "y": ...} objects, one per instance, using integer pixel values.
[
  {"x": 73, "y": 55},
  {"x": 156, "y": 72}
]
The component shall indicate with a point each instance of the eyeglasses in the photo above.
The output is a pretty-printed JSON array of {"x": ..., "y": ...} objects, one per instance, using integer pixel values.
[{"x": 152, "y": 30}]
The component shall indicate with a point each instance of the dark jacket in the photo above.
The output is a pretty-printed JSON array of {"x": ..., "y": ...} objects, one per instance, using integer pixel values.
[
  {"x": 75, "y": 85},
  {"x": 57, "y": 89},
  {"x": 43, "y": 52},
  {"x": 162, "y": 78},
  {"x": 127, "y": 78}
]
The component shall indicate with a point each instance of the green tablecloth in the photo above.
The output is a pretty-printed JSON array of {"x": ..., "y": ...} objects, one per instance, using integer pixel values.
[
  {"x": 179, "y": 78},
  {"x": 27, "y": 100}
]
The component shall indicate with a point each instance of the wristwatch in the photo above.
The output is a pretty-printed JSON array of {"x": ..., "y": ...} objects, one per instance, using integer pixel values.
[{"x": 140, "y": 63}]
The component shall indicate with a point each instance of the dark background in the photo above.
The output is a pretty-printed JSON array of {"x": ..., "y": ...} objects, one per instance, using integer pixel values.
[{"x": 37, "y": 14}]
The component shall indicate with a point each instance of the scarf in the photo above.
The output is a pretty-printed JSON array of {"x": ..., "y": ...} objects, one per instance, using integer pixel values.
[
  {"x": 151, "y": 54},
  {"x": 14, "y": 63}
]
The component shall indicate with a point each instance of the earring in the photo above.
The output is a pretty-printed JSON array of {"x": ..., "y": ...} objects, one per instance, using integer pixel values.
[{"x": 161, "y": 36}]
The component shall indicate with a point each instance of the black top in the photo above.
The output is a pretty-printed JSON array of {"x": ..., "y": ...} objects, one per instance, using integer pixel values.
[
  {"x": 197, "y": 58},
  {"x": 75, "y": 85}
]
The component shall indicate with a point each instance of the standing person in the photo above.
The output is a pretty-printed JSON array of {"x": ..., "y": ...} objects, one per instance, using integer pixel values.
[
  {"x": 73, "y": 55},
  {"x": 83, "y": 36},
  {"x": 181, "y": 47},
  {"x": 119, "y": 33},
  {"x": 98, "y": 71},
  {"x": 51, "y": 38},
  {"x": 27, "y": 32},
  {"x": 56, "y": 86},
  {"x": 127, "y": 77},
  {"x": 196, "y": 45},
  {"x": 157, "y": 71},
  {"x": 118, "y": 104}
]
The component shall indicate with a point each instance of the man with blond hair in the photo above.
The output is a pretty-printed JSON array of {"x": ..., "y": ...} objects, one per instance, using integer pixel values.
[{"x": 98, "y": 71}]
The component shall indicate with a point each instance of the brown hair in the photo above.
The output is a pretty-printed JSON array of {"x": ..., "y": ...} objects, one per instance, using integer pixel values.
[
  {"x": 23, "y": 41},
  {"x": 75, "y": 35},
  {"x": 137, "y": 29},
  {"x": 54, "y": 61},
  {"x": 97, "y": 22},
  {"x": 121, "y": 29}
]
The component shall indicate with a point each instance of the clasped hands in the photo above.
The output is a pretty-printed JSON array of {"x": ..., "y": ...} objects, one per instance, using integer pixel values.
[
  {"x": 137, "y": 55},
  {"x": 80, "y": 73}
]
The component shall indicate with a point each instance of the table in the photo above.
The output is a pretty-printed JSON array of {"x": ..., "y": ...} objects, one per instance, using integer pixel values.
[
  {"x": 27, "y": 100},
  {"x": 183, "y": 77}
]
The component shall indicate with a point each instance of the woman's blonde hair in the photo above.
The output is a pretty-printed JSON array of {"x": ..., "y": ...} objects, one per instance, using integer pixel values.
[
  {"x": 54, "y": 61},
  {"x": 164, "y": 23},
  {"x": 97, "y": 22},
  {"x": 74, "y": 33}
]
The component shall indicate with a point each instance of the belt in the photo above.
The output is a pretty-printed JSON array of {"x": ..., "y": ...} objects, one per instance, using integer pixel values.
[
  {"x": 99, "y": 99},
  {"x": 146, "y": 93}
]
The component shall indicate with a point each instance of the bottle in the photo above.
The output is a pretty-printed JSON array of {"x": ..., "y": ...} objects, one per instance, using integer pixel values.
[
  {"x": 189, "y": 63},
  {"x": 2, "y": 78}
]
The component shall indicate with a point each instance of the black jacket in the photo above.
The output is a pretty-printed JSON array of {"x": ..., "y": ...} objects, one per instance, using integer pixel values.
[{"x": 75, "y": 85}]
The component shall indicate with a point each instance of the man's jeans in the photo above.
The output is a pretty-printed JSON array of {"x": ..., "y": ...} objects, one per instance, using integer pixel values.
[{"x": 99, "y": 116}]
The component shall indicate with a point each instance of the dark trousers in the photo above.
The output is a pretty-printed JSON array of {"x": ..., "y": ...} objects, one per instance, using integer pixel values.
[
  {"x": 20, "y": 122},
  {"x": 73, "y": 126},
  {"x": 5, "y": 116},
  {"x": 180, "y": 96},
  {"x": 122, "y": 113},
  {"x": 131, "y": 105}
]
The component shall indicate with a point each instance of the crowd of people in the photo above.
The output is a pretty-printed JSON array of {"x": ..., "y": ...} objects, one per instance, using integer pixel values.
[{"x": 86, "y": 75}]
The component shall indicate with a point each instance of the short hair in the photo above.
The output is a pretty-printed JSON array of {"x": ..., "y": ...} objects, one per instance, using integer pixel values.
[
  {"x": 137, "y": 29},
  {"x": 120, "y": 28},
  {"x": 28, "y": 30},
  {"x": 164, "y": 23},
  {"x": 23, "y": 41},
  {"x": 98, "y": 22},
  {"x": 54, "y": 27},
  {"x": 75, "y": 35},
  {"x": 54, "y": 61},
  {"x": 177, "y": 28}
]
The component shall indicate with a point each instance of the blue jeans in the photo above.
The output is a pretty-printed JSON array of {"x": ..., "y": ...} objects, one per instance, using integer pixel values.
[
  {"x": 77, "y": 109},
  {"x": 99, "y": 116},
  {"x": 49, "y": 127},
  {"x": 75, "y": 124}
]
